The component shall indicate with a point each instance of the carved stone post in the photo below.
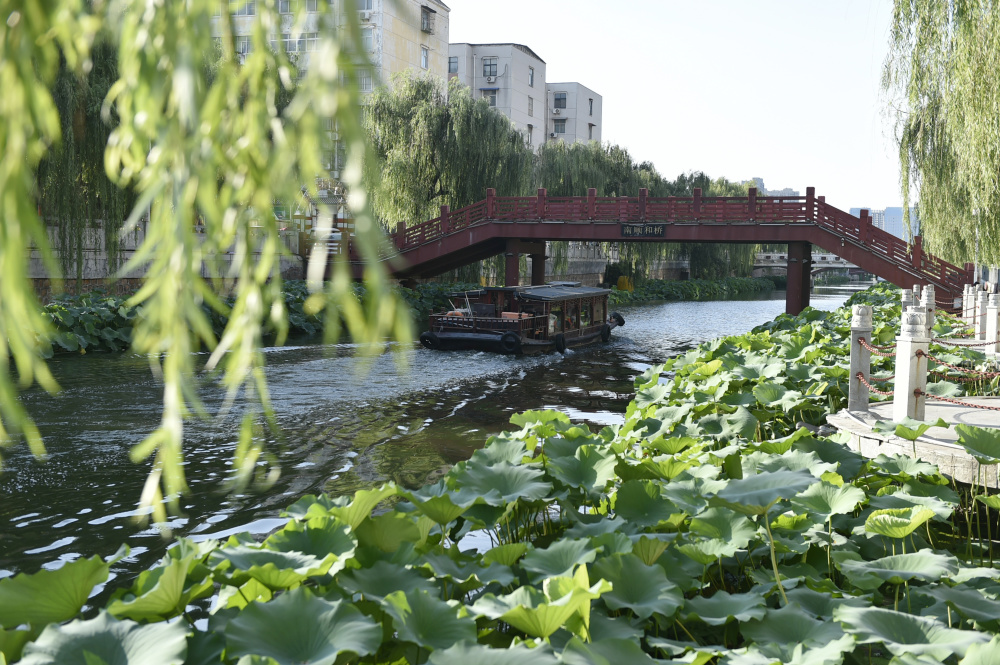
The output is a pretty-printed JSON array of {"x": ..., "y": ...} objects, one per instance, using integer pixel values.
[
  {"x": 861, "y": 326},
  {"x": 967, "y": 306},
  {"x": 911, "y": 369},
  {"x": 906, "y": 300},
  {"x": 928, "y": 303},
  {"x": 993, "y": 324},
  {"x": 981, "y": 303}
]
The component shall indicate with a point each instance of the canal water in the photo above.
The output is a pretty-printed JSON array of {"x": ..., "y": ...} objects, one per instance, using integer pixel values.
[{"x": 406, "y": 416}]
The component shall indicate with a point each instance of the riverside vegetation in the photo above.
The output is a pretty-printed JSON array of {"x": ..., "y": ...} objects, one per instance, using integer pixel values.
[
  {"x": 98, "y": 321},
  {"x": 707, "y": 527}
]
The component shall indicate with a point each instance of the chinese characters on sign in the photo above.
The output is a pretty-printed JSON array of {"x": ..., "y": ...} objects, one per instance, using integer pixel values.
[{"x": 644, "y": 230}]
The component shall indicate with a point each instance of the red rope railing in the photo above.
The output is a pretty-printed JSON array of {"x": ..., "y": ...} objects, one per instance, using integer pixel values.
[
  {"x": 920, "y": 393},
  {"x": 877, "y": 350},
  {"x": 885, "y": 393}
]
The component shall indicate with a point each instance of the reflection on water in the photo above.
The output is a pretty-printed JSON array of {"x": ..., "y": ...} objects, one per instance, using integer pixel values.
[{"x": 407, "y": 418}]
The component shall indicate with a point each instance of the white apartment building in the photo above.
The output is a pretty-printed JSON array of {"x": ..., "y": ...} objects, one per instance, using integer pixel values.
[
  {"x": 510, "y": 76},
  {"x": 576, "y": 112}
]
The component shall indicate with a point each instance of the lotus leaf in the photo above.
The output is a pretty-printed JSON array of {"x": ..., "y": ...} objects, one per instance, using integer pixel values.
[
  {"x": 559, "y": 559},
  {"x": 664, "y": 467},
  {"x": 721, "y": 524},
  {"x": 355, "y": 511},
  {"x": 445, "y": 566},
  {"x": 464, "y": 654},
  {"x": 898, "y": 568},
  {"x": 634, "y": 585},
  {"x": 897, "y": 522},
  {"x": 605, "y": 652},
  {"x": 318, "y": 536},
  {"x": 825, "y": 499},
  {"x": 161, "y": 592},
  {"x": 970, "y": 603},
  {"x": 790, "y": 653},
  {"x": 383, "y": 578},
  {"x": 388, "y": 531},
  {"x": 613, "y": 543},
  {"x": 276, "y": 570},
  {"x": 670, "y": 445},
  {"x": 722, "y": 607},
  {"x": 983, "y": 653},
  {"x": 821, "y": 604},
  {"x": 589, "y": 468},
  {"x": 849, "y": 463},
  {"x": 903, "y": 466},
  {"x": 788, "y": 625},
  {"x": 49, "y": 596},
  {"x": 640, "y": 502},
  {"x": 647, "y": 397},
  {"x": 298, "y": 627},
  {"x": 589, "y": 526},
  {"x": 504, "y": 483},
  {"x": 759, "y": 370},
  {"x": 794, "y": 460},
  {"x": 902, "y": 499},
  {"x": 778, "y": 396},
  {"x": 11, "y": 644},
  {"x": 649, "y": 547},
  {"x": 507, "y": 554},
  {"x": 311, "y": 505},
  {"x": 104, "y": 639},
  {"x": 440, "y": 503},
  {"x": 739, "y": 399},
  {"x": 428, "y": 621},
  {"x": 742, "y": 423},
  {"x": 530, "y": 418},
  {"x": 238, "y": 597},
  {"x": 981, "y": 443},
  {"x": 908, "y": 428},
  {"x": 943, "y": 389},
  {"x": 783, "y": 444},
  {"x": 502, "y": 448},
  {"x": 756, "y": 494},
  {"x": 904, "y": 633}
]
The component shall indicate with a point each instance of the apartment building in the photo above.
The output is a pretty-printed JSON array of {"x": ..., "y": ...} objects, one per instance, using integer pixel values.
[
  {"x": 576, "y": 112},
  {"x": 891, "y": 221},
  {"x": 511, "y": 77}
]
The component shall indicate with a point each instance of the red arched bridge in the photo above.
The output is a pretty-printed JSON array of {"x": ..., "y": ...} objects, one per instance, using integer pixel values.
[{"x": 515, "y": 225}]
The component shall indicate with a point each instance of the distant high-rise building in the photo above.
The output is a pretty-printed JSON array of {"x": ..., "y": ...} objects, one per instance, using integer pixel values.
[
  {"x": 891, "y": 221},
  {"x": 787, "y": 191}
]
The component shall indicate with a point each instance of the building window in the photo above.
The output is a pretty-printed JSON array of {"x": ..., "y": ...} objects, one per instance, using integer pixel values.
[
  {"x": 559, "y": 126},
  {"x": 284, "y": 6},
  {"x": 426, "y": 20},
  {"x": 368, "y": 38},
  {"x": 531, "y": 131},
  {"x": 248, "y": 8},
  {"x": 490, "y": 96},
  {"x": 312, "y": 6},
  {"x": 490, "y": 66},
  {"x": 453, "y": 64},
  {"x": 531, "y": 106},
  {"x": 425, "y": 57},
  {"x": 243, "y": 45},
  {"x": 590, "y": 131},
  {"x": 591, "y": 107},
  {"x": 328, "y": 157},
  {"x": 559, "y": 100},
  {"x": 366, "y": 5},
  {"x": 531, "y": 77},
  {"x": 365, "y": 82}
]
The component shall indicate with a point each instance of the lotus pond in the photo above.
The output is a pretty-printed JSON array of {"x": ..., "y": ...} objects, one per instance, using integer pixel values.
[{"x": 703, "y": 526}]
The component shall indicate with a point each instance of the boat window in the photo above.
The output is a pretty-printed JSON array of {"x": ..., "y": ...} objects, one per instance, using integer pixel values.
[
  {"x": 585, "y": 315},
  {"x": 599, "y": 311},
  {"x": 555, "y": 319},
  {"x": 572, "y": 316}
]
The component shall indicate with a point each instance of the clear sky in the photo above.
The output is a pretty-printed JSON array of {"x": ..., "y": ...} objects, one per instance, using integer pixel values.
[{"x": 785, "y": 90}]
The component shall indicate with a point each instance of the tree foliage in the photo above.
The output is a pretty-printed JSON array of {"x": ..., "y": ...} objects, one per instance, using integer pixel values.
[
  {"x": 198, "y": 137},
  {"x": 942, "y": 75}
]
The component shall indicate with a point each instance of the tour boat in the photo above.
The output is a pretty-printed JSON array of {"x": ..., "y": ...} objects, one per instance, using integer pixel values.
[{"x": 523, "y": 319}]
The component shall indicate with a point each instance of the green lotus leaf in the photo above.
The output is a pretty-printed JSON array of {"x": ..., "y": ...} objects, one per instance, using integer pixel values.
[
  {"x": 388, "y": 531},
  {"x": 760, "y": 370},
  {"x": 689, "y": 495},
  {"x": 104, "y": 639},
  {"x": 205, "y": 647},
  {"x": 362, "y": 504},
  {"x": 311, "y": 505},
  {"x": 534, "y": 611},
  {"x": 502, "y": 448},
  {"x": 741, "y": 424},
  {"x": 640, "y": 502},
  {"x": 664, "y": 467},
  {"x": 605, "y": 652},
  {"x": 12, "y": 643},
  {"x": 904, "y": 633},
  {"x": 896, "y": 569},
  {"x": 848, "y": 462},
  {"x": 161, "y": 592},
  {"x": 298, "y": 627},
  {"x": 559, "y": 559},
  {"x": 897, "y": 522},
  {"x": 647, "y": 397},
  {"x": 791, "y": 653},
  {"x": 507, "y": 554},
  {"x": 445, "y": 566},
  {"x": 722, "y": 607},
  {"x": 383, "y": 578},
  {"x": 987, "y": 653},
  {"x": 981, "y": 443},
  {"x": 440, "y": 503},
  {"x": 794, "y": 460},
  {"x": 903, "y": 499},
  {"x": 464, "y": 654},
  {"x": 257, "y": 660},
  {"x": 428, "y": 621},
  {"x": 49, "y": 596},
  {"x": 641, "y": 588},
  {"x": 943, "y": 389},
  {"x": 504, "y": 482},
  {"x": 670, "y": 445},
  {"x": 992, "y": 501},
  {"x": 903, "y": 466},
  {"x": 820, "y": 604},
  {"x": 591, "y": 526},
  {"x": 613, "y": 543},
  {"x": 318, "y": 536},
  {"x": 548, "y": 417},
  {"x": 756, "y": 494},
  {"x": 908, "y": 428},
  {"x": 724, "y": 525},
  {"x": 783, "y": 444},
  {"x": 649, "y": 547},
  {"x": 788, "y": 625},
  {"x": 276, "y": 570},
  {"x": 590, "y": 468},
  {"x": 778, "y": 396},
  {"x": 825, "y": 499},
  {"x": 238, "y": 597},
  {"x": 968, "y": 602}
]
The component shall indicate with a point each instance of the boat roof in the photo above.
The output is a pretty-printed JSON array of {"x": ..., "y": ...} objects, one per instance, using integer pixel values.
[{"x": 545, "y": 292}]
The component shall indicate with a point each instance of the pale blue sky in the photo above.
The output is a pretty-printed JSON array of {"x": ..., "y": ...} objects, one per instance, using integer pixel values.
[{"x": 785, "y": 90}]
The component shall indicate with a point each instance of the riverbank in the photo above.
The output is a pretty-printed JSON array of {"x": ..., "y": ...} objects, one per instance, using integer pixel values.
[{"x": 683, "y": 532}]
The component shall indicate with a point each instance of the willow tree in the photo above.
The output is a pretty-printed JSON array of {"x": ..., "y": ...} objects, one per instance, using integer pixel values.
[
  {"x": 431, "y": 149},
  {"x": 941, "y": 76},
  {"x": 191, "y": 145}
]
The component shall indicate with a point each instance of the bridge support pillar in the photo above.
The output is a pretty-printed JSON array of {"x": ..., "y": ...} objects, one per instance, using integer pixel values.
[
  {"x": 512, "y": 267},
  {"x": 799, "y": 276},
  {"x": 537, "y": 269}
]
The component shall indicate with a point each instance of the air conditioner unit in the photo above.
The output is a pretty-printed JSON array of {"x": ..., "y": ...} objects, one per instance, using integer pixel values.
[
  {"x": 491, "y": 79},
  {"x": 366, "y": 16},
  {"x": 556, "y": 111},
  {"x": 552, "y": 135}
]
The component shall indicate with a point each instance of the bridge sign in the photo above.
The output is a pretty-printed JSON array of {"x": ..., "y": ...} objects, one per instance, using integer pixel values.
[{"x": 644, "y": 230}]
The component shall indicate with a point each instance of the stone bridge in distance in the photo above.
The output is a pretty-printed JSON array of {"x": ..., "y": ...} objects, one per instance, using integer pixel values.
[{"x": 515, "y": 225}]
